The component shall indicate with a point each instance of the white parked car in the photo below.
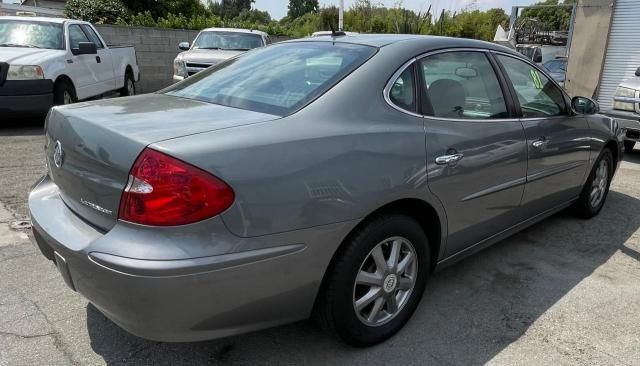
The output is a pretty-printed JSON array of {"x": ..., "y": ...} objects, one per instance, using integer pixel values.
[
  {"x": 214, "y": 45},
  {"x": 53, "y": 61}
]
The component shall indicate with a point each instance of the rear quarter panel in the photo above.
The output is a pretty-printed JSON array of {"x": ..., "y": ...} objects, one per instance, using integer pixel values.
[{"x": 339, "y": 159}]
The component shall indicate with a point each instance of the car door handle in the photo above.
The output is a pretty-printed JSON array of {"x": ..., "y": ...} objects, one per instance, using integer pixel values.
[
  {"x": 449, "y": 160},
  {"x": 98, "y": 59},
  {"x": 540, "y": 143}
]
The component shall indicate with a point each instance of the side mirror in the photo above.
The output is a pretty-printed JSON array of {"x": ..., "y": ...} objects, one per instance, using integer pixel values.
[
  {"x": 85, "y": 48},
  {"x": 584, "y": 105},
  {"x": 184, "y": 46},
  {"x": 537, "y": 58},
  {"x": 638, "y": 72}
]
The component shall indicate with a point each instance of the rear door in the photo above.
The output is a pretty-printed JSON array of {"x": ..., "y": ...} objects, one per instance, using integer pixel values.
[
  {"x": 557, "y": 141},
  {"x": 476, "y": 151}
]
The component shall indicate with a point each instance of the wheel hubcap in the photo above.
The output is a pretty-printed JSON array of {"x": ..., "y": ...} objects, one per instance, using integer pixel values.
[
  {"x": 599, "y": 185},
  {"x": 66, "y": 98},
  {"x": 385, "y": 281}
]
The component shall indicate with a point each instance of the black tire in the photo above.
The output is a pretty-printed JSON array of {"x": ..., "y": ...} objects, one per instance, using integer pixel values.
[
  {"x": 584, "y": 207},
  {"x": 64, "y": 93},
  {"x": 629, "y": 145},
  {"x": 126, "y": 91},
  {"x": 335, "y": 310}
]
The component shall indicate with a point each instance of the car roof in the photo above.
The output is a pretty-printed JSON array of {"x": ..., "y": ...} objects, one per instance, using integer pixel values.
[
  {"x": 427, "y": 42},
  {"x": 238, "y": 30},
  {"x": 39, "y": 19}
]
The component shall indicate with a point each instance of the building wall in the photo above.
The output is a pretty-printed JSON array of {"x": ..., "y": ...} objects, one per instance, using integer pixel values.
[
  {"x": 588, "y": 46},
  {"x": 12, "y": 9},
  {"x": 51, "y": 4},
  {"x": 156, "y": 49}
]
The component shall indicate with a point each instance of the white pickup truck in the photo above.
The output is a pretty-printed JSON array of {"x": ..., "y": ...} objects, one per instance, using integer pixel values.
[{"x": 53, "y": 61}]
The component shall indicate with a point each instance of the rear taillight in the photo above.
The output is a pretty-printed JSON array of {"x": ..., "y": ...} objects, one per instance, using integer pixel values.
[{"x": 165, "y": 191}]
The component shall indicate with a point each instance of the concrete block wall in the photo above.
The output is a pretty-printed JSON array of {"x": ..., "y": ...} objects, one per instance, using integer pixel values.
[{"x": 156, "y": 49}]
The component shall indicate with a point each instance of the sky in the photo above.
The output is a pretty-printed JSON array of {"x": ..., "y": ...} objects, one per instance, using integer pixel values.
[{"x": 278, "y": 8}]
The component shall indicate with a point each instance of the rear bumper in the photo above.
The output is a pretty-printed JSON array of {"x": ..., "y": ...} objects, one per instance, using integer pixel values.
[
  {"x": 26, "y": 97},
  {"x": 186, "y": 299}
]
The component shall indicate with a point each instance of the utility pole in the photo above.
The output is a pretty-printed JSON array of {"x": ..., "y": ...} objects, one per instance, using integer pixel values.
[{"x": 341, "y": 16}]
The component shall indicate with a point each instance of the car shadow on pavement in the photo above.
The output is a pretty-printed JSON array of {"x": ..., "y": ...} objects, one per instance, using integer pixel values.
[
  {"x": 22, "y": 127},
  {"x": 470, "y": 312}
]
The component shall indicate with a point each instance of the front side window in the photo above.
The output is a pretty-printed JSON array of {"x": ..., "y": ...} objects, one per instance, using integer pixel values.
[
  {"x": 278, "y": 79},
  {"x": 92, "y": 36},
  {"x": 30, "y": 34},
  {"x": 236, "y": 41},
  {"x": 76, "y": 35},
  {"x": 403, "y": 91},
  {"x": 538, "y": 96},
  {"x": 463, "y": 85}
]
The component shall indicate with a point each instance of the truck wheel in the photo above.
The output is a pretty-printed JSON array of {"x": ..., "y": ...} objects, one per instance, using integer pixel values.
[
  {"x": 595, "y": 190},
  {"x": 64, "y": 93},
  {"x": 628, "y": 145},
  {"x": 376, "y": 281},
  {"x": 129, "y": 87}
]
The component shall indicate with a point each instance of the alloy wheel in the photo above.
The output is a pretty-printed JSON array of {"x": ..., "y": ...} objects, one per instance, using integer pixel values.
[
  {"x": 385, "y": 281},
  {"x": 130, "y": 87},
  {"x": 599, "y": 185}
]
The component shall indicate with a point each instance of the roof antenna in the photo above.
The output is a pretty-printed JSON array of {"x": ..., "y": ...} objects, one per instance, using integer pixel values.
[{"x": 335, "y": 33}]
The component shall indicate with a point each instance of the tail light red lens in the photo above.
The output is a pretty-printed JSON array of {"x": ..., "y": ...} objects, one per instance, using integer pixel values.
[{"x": 165, "y": 191}]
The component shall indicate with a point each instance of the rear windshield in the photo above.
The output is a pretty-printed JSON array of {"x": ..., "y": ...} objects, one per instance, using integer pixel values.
[
  {"x": 30, "y": 34},
  {"x": 238, "y": 41},
  {"x": 278, "y": 79}
]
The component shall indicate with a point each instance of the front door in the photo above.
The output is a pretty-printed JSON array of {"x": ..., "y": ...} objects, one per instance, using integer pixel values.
[
  {"x": 476, "y": 151},
  {"x": 557, "y": 141}
]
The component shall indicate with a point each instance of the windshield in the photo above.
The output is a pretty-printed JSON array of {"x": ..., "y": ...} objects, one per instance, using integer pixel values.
[
  {"x": 277, "y": 79},
  {"x": 228, "y": 41},
  {"x": 20, "y": 33}
]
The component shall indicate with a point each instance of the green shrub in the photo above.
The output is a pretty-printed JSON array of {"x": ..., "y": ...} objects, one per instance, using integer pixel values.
[{"x": 96, "y": 11}]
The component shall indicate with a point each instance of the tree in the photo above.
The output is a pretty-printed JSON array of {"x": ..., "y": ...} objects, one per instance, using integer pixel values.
[
  {"x": 96, "y": 11},
  {"x": 161, "y": 8},
  {"x": 298, "y": 8},
  {"x": 553, "y": 18}
]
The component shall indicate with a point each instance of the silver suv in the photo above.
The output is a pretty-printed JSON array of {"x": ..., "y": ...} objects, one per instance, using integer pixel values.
[
  {"x": 214, "y": 45},
  {"x": 626, "y": 108}
]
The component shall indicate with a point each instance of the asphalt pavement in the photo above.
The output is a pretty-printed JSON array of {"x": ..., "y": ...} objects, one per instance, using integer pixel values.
[{"x": 563, "y": 292}]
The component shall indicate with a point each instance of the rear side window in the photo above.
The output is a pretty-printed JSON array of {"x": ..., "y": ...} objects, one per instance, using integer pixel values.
[
  {"x": 277, "y": 80},
  {"x": 403, "y": 91},
  {"x": 538, "y": 96},
  {"x": 462, "y": 85}
]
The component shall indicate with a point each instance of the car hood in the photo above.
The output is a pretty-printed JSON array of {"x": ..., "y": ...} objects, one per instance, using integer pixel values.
[
  {"x": 208, "y": 56},
  {"x": 26, "y": 56},
  {"x": 633, "y": 83}
]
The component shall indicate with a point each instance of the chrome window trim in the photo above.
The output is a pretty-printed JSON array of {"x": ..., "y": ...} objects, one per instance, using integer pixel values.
[
  {"x": 387, "y": 89},
  {"x": 393, "y": 78}
]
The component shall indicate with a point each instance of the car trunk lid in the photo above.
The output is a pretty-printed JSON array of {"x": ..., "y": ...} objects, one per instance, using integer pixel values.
[{"x": 91, "y": 147}]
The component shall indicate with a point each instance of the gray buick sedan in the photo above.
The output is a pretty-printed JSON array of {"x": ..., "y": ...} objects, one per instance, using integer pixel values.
[{"x": 327, "y": 177}]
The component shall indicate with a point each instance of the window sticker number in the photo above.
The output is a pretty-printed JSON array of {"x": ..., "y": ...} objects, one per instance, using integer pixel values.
[{"x": 535, "y": 77}]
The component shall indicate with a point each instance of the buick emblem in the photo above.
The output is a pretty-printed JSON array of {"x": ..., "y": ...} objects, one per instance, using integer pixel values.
[{"x": 58, "y": 154}]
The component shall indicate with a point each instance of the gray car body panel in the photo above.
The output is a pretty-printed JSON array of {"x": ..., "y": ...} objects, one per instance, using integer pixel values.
[{"x": 302, "y": 183}]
